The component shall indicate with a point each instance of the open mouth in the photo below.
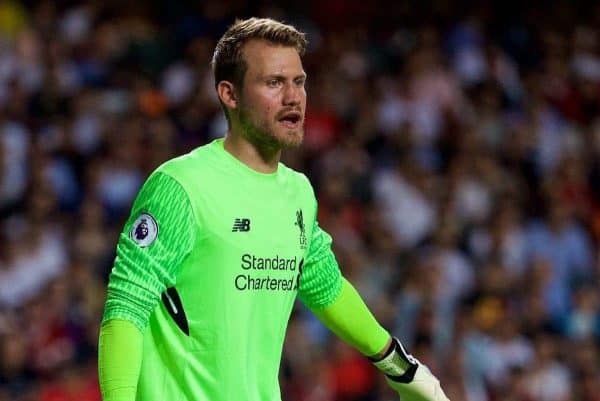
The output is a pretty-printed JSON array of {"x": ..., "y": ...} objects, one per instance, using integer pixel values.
[{"x": 291, "y": 119}]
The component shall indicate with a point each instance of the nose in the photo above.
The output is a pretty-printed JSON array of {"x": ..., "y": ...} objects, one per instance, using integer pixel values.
[{"x": 292, "y": 94}]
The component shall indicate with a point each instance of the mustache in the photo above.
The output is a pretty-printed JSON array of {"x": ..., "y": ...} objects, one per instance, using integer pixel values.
[{"x": 294, "y": 110}]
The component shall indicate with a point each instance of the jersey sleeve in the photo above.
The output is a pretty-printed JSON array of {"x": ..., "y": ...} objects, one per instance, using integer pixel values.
[
  {"x": 157, "y": 237},
  {"x": 352, "y": 321},
  {"x": 321, "y": 280}
]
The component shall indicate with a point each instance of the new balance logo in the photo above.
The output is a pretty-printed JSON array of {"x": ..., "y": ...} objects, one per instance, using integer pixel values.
[{"x": 241, "y": 225}]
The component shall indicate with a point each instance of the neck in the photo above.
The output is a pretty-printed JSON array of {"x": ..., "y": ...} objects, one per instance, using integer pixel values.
[{"x": 259, "y": 158}]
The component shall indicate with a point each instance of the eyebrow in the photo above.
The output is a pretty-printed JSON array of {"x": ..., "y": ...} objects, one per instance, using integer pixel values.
[{"x": 283, "y": 77}]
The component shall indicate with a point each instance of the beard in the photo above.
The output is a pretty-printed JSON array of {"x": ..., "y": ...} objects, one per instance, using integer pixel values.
[{"x": 266, "y": 134}]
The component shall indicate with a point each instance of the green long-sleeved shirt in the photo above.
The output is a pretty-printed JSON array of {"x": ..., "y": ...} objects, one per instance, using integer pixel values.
[{"x": 208, "y": 266}]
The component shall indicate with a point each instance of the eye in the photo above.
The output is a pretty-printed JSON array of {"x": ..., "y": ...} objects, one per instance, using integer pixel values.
[
  {"x": 273, "y": 83},
  {"x": 300, "y": 81}
]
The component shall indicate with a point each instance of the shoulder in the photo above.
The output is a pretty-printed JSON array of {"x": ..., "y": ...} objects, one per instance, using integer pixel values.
[
  {"x": 301, "y": 191},
  {"x": 296, "y": 178},
  {"x": 189, "y": 167},
  {"x": 189, "y": 161}
]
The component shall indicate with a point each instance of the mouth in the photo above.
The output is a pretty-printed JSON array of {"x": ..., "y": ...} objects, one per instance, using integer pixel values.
[{"x": 291, "y": 119}]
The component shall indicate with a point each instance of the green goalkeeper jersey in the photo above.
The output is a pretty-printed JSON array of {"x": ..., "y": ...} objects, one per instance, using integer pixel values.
[{"x": 208, "y": 267}]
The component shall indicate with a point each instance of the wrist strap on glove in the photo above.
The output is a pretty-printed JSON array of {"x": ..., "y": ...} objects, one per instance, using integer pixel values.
[{"x": 397, "y": 364}]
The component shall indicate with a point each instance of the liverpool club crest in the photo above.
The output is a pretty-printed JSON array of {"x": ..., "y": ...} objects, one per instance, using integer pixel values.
[{"x": 300, "y": 223}]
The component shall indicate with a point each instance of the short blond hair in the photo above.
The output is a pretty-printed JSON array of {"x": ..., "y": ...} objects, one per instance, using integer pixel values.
[{"x": 228, "y": 63}]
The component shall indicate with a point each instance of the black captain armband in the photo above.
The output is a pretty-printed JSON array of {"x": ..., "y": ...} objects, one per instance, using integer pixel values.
[{"x": 397, "y": 364}]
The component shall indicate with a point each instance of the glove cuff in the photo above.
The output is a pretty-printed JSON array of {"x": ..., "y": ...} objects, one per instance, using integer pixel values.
[{"x": 397, "y": 364}]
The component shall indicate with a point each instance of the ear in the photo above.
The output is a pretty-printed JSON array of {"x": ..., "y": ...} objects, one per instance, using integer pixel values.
[{"x": 226, "y": 92}]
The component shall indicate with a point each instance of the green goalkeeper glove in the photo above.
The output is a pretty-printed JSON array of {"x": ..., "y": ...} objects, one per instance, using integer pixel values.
[{"x": 406, "y": 375}]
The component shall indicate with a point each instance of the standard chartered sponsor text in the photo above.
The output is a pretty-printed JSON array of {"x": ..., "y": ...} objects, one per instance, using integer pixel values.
[
  {"x": 249, "y": 282},
  {"x": 274, "y": 263}
]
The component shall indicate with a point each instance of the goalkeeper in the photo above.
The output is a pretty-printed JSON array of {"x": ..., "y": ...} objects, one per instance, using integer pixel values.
[{"x": 220, "y": 242}]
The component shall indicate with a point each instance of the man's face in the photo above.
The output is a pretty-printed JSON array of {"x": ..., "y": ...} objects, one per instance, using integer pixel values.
[{"x": 272, "y": 100}]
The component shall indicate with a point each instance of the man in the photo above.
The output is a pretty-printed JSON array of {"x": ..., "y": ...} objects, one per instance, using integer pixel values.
[{"x": 219, "y": 243}]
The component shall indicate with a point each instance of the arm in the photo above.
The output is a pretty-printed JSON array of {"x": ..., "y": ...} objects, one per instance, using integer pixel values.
[
  {"x": 349, "y": 319},
  {"x": 157, "y": 238},
  {"x": 337, "y": 304},
  {"x": 119, "y": 359}
]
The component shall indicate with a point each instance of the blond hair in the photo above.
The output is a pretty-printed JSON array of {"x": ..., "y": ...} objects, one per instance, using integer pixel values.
[{"x": 228, "y": 63}]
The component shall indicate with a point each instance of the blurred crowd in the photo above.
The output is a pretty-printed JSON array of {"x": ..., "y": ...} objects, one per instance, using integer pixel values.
[{"x": 454, "y": 149}]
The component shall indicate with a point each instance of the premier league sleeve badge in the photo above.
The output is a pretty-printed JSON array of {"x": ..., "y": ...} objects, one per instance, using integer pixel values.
[{"x": 144, "y": 230}]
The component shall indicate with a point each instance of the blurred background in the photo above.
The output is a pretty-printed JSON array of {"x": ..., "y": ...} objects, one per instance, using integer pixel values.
[{"x": 454, "y": 148}]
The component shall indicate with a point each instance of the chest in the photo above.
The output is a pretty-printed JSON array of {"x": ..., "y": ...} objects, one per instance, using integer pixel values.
[{"x": 272, "y": 221}]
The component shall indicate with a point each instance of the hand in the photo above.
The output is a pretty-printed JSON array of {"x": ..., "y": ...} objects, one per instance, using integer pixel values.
[
  {"x": 410, "y": 378},
  {"x": 423, "y": 387}
]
